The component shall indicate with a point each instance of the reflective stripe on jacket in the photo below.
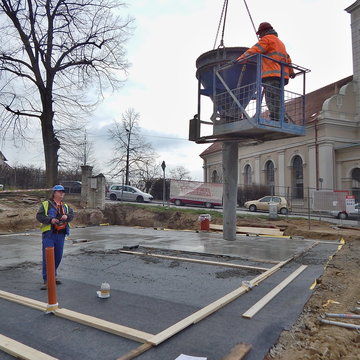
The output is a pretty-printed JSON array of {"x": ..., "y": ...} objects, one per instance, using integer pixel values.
[
  {"x": 47, "y": 227},
  {"x": 270, "y": 45}
]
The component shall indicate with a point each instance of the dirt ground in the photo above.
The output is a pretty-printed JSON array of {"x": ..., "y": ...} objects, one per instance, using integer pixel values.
[{"x": 336, "y": 291}]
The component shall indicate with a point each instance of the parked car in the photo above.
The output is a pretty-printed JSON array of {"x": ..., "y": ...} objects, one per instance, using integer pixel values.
[
  {"x": 343, "y": 215},
  {"x": 262, "y": 204},
  {"x": 71, "y": 187},
  {"x": 128, "y": 193}
]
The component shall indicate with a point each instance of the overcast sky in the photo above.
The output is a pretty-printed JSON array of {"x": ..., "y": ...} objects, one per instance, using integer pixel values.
[{"x": 170, "y": 35}]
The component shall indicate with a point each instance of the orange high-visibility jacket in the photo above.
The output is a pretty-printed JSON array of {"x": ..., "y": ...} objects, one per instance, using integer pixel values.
[{"x": 270, "y": 45}]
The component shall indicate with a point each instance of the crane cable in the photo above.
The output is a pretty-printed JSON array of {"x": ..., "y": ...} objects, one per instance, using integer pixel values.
[
  {"x": 223, "y": 15},
  {"x": 223, "y": 19},
  {"x": 252, "y": 22}
]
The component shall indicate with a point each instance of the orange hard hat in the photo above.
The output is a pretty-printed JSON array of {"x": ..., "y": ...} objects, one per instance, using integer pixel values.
[{"x": 263, "y": 26}]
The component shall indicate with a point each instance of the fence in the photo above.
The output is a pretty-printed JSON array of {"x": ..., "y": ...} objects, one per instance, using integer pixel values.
[{"x": 307, "y": 201}]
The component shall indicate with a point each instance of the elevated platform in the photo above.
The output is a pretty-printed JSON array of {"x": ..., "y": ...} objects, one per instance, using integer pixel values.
[{"x": 246, "y": 108}]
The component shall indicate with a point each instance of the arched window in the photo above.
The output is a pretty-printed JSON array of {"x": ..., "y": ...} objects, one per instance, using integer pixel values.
[
  {"x": 297, "y": 178},
  {"x": 270, "y": 176},
  {"x": 214, "y": 177},
  {"x": 355, "y": 183},
  {"x": 247, "y": 175}
]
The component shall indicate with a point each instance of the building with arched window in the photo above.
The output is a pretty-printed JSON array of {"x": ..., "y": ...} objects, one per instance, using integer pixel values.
[{"x": 327, "y": 157}]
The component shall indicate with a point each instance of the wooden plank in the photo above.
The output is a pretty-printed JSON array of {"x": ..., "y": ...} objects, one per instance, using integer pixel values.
[
  {"x": 238, "y": 352},
  {"x": 271, "y": 294},
  {"x": 104, "y": 325},
  {"x": 35, "y": 304},
  {"x": 136, "y": 352},
  {"x": 22, "y": 351},
  {"x": 206, "y": 262},
  {"x": 92, "y": 321},
  {"x": 251, "y": 230},
  {"x": 214, "y": 306}
]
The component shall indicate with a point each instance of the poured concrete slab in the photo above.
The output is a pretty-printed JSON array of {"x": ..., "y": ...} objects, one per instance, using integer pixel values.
[{"x": 151, "y": 294}]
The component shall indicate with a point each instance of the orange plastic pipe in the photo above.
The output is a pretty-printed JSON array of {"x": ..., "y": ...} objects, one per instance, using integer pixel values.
[{"x": 51, "y": 282}]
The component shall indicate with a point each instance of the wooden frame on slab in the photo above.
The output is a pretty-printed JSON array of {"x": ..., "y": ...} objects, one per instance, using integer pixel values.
[
  {"x": 271, "y": 294},
  {"x": 251, "y": 230},
  {"x": 22, "y": 351},
  {"x": 88, "y": 320},
  {"x": 198, "y": 261},
  {"x": 148, "y": 340}
]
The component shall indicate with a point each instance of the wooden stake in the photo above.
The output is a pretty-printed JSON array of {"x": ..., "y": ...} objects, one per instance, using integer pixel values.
[
  {"x": 21, "y": 351},
  {"x": 238, "y": 352},
  {"x": 270, "y": 295}
]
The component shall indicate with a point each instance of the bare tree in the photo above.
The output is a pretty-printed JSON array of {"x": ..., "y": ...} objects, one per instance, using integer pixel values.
[
  {"x": 132, "y": 154},
  {"x": 80, "y": 153},
  {"x": 147, "y": 174},
  {"x": 180, "y": 173},
  {"x": 56, "y": 58}
]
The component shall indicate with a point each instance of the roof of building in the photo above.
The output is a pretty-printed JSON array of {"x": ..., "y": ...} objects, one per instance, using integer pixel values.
[
  {"x": 314, "y": 102},
  {"x": 2, "y": 157}
]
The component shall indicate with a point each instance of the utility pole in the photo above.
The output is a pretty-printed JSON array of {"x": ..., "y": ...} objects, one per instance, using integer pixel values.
[
  {"x": 85, "y": 149},
  {"x": 127, "y": 156},
  {"x": 163, "y": 166}
]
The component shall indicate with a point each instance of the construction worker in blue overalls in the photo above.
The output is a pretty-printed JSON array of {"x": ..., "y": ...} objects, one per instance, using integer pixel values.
[{"x": 54, "y": 216}]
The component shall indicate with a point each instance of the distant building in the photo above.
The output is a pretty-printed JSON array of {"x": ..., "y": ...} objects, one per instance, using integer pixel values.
[
  {"x": 2, "y": 159},
  {"x": 327, "y": 157}
]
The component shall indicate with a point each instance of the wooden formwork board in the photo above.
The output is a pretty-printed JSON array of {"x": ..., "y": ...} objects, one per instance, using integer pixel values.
[
  {"x": 251, "y": 230},
  {"x": 148, "y": 340},
  {"x": 214, "y": 306},
  {"x": 205, "y": 262},
  {"x": 22, "y": 351},
  {"x": 88, "y": 320},
  {"x": 271, "y": 294}
]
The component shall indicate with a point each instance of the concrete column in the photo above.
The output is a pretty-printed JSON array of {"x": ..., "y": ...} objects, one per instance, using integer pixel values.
[
  {"x": 281, "y": 173},
  {"x": 230, "y": 173},
  {"x": 86, "y": 172},
  {"x": 312, "y": 181},
  {"x": 100, "y": 192},
  {"x": 354, "y": 10},
  {"x": 257, "y": 170},
  {"x": 326, "y": 165}
]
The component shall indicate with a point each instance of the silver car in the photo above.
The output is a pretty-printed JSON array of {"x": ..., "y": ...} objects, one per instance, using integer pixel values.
[{"x": 128, "y": 193}]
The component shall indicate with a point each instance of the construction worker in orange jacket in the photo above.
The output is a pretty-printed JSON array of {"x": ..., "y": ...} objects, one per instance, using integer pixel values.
[{"x": 271, "y": 72}]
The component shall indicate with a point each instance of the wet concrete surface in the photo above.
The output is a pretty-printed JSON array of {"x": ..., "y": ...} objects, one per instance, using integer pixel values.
[{"x": 151, "y": 294}]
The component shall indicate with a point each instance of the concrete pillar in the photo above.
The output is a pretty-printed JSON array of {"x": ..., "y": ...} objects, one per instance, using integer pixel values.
[
  {"x": 230, "y": 174},
  {"x": 86, "y": 172},
  {"x": 281, "y": 173},
  {"x": 257, "y": 170},
  {"x": 326, "y": 165},
  {"x": 354, "y": 11},
  {"x": 312, "y": 181},
  {"x": 99, "y": 202}
]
